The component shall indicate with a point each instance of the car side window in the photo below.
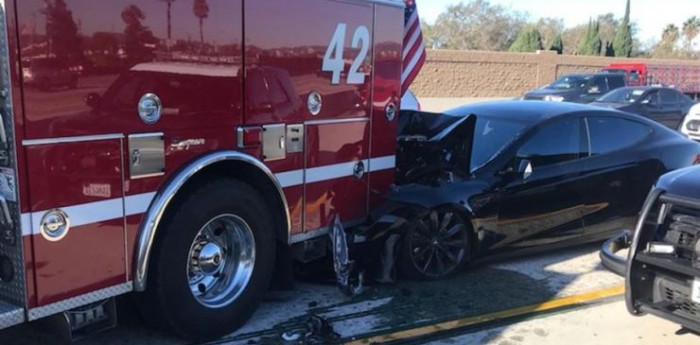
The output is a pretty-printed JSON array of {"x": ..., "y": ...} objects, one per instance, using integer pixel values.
[
  {"x": 616, "y": 82},
  {"x": 634, "y": 76},
  {"x": 652, "y": 98},
  {"x": 668, "y": 96},
  {"x": 598, "y": 85},
  {"x": 554, "y": 143},
  {"x": 609, "y": 134}
]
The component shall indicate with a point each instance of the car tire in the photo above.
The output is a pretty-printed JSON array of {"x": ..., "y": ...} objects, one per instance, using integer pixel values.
[
  {"x": 196, "y": 289},
  {"x": 436, "y": 246}
]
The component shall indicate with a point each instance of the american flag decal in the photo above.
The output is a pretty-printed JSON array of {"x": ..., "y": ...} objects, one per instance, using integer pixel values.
[{"x": 413, "y": 48}]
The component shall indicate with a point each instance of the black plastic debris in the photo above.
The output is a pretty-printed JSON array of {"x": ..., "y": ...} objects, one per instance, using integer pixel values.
[{"x": 316, "y": 331}]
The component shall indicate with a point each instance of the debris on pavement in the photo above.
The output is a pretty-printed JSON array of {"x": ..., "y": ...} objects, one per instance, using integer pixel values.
[{"x": 317, "y": 331}]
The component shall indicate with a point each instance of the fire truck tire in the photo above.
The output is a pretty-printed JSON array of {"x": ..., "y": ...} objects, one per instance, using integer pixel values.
[
  {"x": 436, "y": 246},
  {"x": 212, "y": 262}
]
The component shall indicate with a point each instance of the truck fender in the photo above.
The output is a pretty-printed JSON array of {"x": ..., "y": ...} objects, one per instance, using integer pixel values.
[{"x": 167, "y": 193}]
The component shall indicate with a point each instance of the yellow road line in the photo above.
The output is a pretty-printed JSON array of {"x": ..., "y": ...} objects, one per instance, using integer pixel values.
[{"x": 475, "y": 320}]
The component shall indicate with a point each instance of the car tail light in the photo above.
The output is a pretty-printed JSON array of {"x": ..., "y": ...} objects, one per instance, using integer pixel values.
[
  {"x": 249, "y": 137},
  {"x": 697, "y": 159}
]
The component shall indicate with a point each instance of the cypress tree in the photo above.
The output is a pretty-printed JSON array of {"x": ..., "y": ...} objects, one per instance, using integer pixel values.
[
  {"x": 558, "y": 44},
  {"x": 622, "y": 44},
  {"x": 528, "y": 41}
]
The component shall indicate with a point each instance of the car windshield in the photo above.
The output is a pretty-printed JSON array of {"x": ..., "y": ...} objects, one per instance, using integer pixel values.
[
  {"x": 569, "y": 83},
  {"x": 491, "y": 135},
  {"x": 623, "y": 95}
]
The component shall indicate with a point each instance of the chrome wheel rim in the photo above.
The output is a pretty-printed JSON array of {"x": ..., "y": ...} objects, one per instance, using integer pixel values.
[
  {"x": 439, "y": 243},
  {"x": 221, "y": 260}
]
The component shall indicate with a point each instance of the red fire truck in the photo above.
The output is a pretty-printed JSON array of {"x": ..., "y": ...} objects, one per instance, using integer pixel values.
[
  {"x": 685, "y": 78},
  {"x": 186, "y": 151}
]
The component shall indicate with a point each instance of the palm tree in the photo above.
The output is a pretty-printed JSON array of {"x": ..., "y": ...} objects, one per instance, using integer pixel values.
[
  {"x": 201, "y": 11},
  {"x": 670, "y": 33},
  {"x": 170, "y": 4},
  {"x": 691, "y": 29}
]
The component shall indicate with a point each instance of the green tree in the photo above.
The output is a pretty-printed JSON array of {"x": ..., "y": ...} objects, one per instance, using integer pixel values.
[
  {"x": 591, "y": 44},
  {"x": 477, "y": 25},
  {"x": 609, "y": 49},
  {"x": 557, "y": 44},
  {"x": 691, "y": 29},
  {"x": 201, "y": 11},
  {"x": 528, "y": 41},
  {"x": 139, "y": 42},
  {"x": 169, "y": 16},
  {"x": 622, "y": 44},
  {"x": 62, "y": 31}
]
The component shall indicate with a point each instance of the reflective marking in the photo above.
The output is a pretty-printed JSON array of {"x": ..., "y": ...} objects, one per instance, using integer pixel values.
[
  {"x": 331, "y": 172},
  {"x": 104, "y": 210},
  {"x": 137, "y": 204},
  {"x": 78, "y": 139},
  {"x": 290, "y": 178},
  {"x": 500, "y": 315},
  {"x": 334, "y": 171},
  {"x": 26, "y": 221},
  {"x": 382, "y": 163},
  {"x": 93, "y": 212}
]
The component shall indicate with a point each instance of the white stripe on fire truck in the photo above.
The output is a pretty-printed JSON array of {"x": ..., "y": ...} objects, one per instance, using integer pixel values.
[
  {"x": 101, "y": 211},
  {"x": 331, "y": 172},
  {"x": 93, "y": 212}
]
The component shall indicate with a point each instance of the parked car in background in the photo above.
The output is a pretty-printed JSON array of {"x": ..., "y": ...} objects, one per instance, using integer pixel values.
[
  {"x": 46, "y": 73},
  {"x": 501, "y": 177},
  {"x": 662, "y": 267},
  {"x": 691, "y": 123},
  {"x": 578, "y": 88},
  {"x": 665, "y": 105}
]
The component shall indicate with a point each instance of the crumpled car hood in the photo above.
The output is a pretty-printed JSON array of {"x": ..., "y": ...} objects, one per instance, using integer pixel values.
[{"x": 432, "y": 143}]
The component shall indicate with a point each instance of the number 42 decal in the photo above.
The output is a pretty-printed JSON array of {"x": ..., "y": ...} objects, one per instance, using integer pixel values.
[{"x": 333, "y": 59}]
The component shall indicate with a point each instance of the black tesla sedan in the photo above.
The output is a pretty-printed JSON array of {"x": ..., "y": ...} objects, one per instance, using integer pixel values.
[
  {"x": 664, "y": 105},
  {"x": 506, "y": 177}
]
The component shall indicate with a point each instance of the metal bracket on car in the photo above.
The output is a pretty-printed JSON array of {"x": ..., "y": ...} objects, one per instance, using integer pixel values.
[{"x": 152, "y": 218}]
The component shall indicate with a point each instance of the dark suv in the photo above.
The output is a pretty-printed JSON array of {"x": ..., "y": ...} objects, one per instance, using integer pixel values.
[
  {"x": 578, "y": 88},
  {"x": 662, "y": 268}
]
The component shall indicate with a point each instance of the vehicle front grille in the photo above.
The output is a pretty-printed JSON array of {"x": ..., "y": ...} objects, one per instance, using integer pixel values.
[
  {"x": 681, "y": 302},
  {"x": 683, "y": 232}
]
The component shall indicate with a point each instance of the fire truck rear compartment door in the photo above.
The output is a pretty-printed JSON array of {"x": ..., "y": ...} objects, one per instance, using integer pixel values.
[
  {"x": 82, "y": 181},
  {"x": 314, "y": 70}
]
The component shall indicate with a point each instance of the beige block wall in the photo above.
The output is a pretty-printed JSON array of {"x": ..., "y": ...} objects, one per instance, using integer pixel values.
[{"x": 477, "y": 74}]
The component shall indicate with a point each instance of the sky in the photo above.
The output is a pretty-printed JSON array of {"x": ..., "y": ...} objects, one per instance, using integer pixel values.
[{"x": 651, "y": 16}]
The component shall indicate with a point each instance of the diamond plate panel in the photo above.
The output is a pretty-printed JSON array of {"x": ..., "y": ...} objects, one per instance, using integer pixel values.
[
  {"x": 12, "y": 292},
  {"x": 80, "y": 301},
  {"x": 10, "y": 315}
]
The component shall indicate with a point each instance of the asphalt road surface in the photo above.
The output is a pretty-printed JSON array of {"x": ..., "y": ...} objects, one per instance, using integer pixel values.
[{"x": 540, "y": 299}]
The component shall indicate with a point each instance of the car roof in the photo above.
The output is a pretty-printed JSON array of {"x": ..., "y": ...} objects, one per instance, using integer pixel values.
[
  {"x": 647, "y": 88},
  {"x": 525, "y": 111}
]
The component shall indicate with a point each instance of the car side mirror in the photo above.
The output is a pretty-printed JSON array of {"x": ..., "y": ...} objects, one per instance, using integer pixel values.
[
  {"x": 93, "y": 99},
  {"x": 525, "y": 169}
]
